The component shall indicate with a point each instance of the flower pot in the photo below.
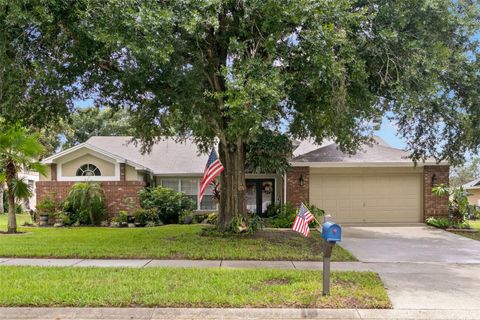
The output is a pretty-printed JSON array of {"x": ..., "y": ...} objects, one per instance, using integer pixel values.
[{"x": 43, "y": 221}]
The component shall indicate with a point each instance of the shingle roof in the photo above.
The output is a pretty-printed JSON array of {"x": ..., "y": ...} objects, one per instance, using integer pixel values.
[
  {"x": 308, "y": 145},
  {"x": 475, "y": 184},
  {"x": 167, "y": 156},
  {"x": 368, "y": 153}
]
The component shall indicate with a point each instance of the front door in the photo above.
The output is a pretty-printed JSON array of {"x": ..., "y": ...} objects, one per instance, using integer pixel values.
[{"x": 259, "y": 195}]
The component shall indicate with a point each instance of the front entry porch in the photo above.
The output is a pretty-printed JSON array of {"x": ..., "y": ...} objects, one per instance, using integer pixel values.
[{"x": 260, "y": 194}]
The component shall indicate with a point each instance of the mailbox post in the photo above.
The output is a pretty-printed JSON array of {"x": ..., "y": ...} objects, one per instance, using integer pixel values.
[{"x": 331, "y": 234}]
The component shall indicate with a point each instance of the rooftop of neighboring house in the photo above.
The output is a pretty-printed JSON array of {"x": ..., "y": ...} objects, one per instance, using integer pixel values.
[{"x": 475, "y": 184}]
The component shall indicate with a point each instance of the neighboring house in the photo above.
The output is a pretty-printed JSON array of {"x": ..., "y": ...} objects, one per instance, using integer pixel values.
[
  {"x": 473, "y": 188},
  {"x": 378, "y": 184},
  {"x": 31, "y": 178}
]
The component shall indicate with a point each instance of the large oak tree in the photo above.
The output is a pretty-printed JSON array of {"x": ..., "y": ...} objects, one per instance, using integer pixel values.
[
  {"x": 231, "y": 70},
  {"x": 234, "y": 72}
]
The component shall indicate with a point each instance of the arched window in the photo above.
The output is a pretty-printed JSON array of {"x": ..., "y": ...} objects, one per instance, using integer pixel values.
[{"x": 88, "y": 170}]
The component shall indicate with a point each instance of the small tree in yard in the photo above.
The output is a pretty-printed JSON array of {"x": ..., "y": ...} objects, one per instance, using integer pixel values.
[
  {"x": 18, "y": 150},
  {"x": 87, "y": 200},
  {"x": 458, "y": 206}
]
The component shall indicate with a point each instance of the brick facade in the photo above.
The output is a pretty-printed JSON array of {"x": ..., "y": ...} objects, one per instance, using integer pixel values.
[
  {"x": 120, "y": 195},
  {"x": 298, "y": 185},
  {"x": 434, "y": 206}
]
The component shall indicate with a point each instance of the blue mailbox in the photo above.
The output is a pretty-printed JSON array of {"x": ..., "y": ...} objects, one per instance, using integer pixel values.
[{"x": 331, "y": 232}]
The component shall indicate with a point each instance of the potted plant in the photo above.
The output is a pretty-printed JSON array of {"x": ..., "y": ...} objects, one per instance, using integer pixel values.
[
  {"x": 45, "y": 209},
  {"x": 120, "y": 220},
  {"x": 61, "y": 219}
]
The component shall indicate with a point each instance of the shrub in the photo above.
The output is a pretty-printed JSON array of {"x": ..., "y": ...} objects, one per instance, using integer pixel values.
[
  {"x": 283, "y": 215},
  {"x": 212, "y": 218},
  {"x": 121, "y": 217},
  {"x": 86, "y": 201},
  {"x": 76, "y": 217},
  {"x": 146, "y": 216},
  {"x": 458, "y": 206},
  {"x": 249, "y": 224},
  {"x": 47, "y": 207},
  {"x": 440, "y": 222},
  {"x": 168, "y": 203},
  {"x": 63, "y": 217},
  {"x": 200, "y": 217},
  {"x": 186, "y": 217}
]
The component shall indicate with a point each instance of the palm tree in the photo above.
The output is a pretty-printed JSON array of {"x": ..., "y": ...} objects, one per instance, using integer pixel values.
[
  {"x": 88, "y": 198},
  {"x": 19, "y": 150}
]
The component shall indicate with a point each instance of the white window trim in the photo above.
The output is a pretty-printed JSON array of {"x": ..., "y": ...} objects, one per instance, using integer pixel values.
[{"x": 116, "y": 177}]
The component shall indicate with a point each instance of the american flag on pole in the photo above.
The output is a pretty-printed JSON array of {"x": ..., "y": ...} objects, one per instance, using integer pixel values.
[
  {"x": 213, "y": 168},
  {"x": 302, "y": 220}
]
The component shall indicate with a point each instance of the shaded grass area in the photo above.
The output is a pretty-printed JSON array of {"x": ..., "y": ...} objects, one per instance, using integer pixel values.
[
  {"x": 171, "y": 287},
  {"x": 475, "y": 224},
  {"x": 21, "y": 219},
  {"x": 166, "y": 242}
]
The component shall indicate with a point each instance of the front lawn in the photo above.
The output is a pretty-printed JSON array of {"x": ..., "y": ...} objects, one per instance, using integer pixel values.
[
  {"x": 166, "y": 242},
  {"x": 174, "y": 287},
  {"x": 475, "y": 224},
  {"x": 21, "y": 219}
]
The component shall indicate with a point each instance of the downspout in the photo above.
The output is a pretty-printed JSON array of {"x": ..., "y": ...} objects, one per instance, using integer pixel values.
[{"x": 285, "y": 188}]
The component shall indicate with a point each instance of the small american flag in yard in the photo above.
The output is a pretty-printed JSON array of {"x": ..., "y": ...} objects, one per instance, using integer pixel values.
[
  {"x": 302, "y": 220},
  {"x": 213, "y": 168}
]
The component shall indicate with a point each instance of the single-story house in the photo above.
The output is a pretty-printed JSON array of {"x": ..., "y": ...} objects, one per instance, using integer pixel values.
[
  {"x": 473, "y": 188},
  {"x": 376, "y": 185}
]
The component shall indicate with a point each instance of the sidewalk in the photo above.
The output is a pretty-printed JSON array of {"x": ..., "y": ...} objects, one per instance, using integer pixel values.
[
  {"x": 149, "y": 263},
  {"x": 228, "y": 313}
]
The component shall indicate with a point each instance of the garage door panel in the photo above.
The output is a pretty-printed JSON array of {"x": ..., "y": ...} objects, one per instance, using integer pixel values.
[{"x": 368, "y": 198}]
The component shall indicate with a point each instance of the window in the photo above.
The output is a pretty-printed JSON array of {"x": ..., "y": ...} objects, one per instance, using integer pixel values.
[
  {"x": 208, "y": 202},
  {"x": 173, "y": 184},
  {"x": 190, "y": 188},
  {"x": 88, "y": 170}
]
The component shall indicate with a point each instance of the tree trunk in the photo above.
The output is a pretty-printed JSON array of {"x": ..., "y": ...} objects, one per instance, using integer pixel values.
[
  {"x": 232, "y": 181},
  {"x": 2, "y": 188},
  {"x": 12, "y": 219}
]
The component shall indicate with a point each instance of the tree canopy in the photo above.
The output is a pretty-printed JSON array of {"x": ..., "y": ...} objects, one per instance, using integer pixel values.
[
  {"x": 35, "y": 79},
  {"x": 467, "y": 172},
  {"x": 228, "y": 69},
  {"x": 95, "y": 121}
]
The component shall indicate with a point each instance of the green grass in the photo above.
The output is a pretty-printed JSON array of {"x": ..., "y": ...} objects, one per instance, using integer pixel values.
[
  {"x": 169, "y": 287},
  {"x": 476, "y": 235},
  {"x": 167, "y": 242},
  {"x": 21, "y": 219}
]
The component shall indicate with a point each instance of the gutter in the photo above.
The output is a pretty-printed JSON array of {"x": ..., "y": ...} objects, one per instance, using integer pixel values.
[{"x": 362, "y": 164}]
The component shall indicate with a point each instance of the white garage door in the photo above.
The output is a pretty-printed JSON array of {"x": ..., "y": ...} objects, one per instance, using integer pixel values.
[{"x": 368, "y": 197}]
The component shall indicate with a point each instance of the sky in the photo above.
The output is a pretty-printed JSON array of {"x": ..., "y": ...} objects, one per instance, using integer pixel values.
[{"x": 388, "y": 132}]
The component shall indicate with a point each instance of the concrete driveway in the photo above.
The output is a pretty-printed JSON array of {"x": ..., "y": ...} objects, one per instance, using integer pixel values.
[
  {"x": 422, "y": 267},
  {"x": 417, "y": 243}
]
